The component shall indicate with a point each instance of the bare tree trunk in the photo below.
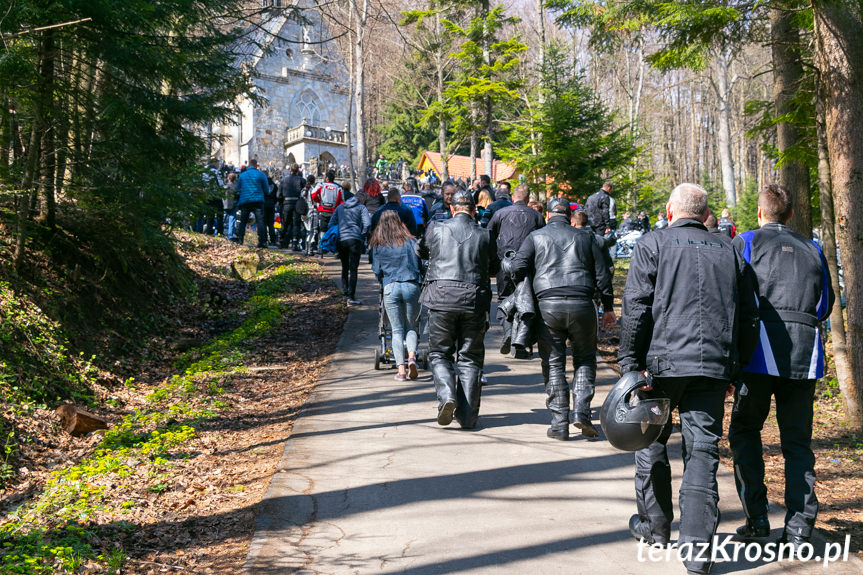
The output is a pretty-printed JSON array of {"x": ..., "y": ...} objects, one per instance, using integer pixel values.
[
  {"x": 540, "y": 18},
  {"x": 5, "y": 136},
  {"x": 474, "y": 145},
  {"x": 359, "y": 83},
  {"x": 442, "y": 131},
  {"x": 349, "y": 138},
  {"x": 722, "y": 87},
  {"x": 787, "y": 75},
  {"x": 46, "y": 107},
  {"x": 828, "y": 246},
  {"x": 839, "y": 32},
  {"x": 489, "y": 116}
]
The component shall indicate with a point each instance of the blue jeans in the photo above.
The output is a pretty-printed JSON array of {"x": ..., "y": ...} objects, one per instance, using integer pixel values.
[
  {"x": 229, "y": 223},
  {"x": 402, "y": 302}
]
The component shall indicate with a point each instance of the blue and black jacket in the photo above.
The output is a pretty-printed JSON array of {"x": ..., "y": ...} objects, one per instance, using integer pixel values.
[{"x": 794, "y": 295}]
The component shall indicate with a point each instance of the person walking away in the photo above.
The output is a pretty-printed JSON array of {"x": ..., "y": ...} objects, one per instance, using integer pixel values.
[
  {"x": 480, "y": 184},
  {"x": 346, "y": 190},
  {"x": 566, "y": 266},
  {"x": 508, "y": 227},
  {"x": 353, "y": 222},
  {"x": 413, "y": 201},
  {"x": 689, "y": 319},
  {"x": 794, "y": 295},
  {"x": 270, "y": 211},
  {"x": 310, "y": 218},
  {"x": 327, "y": 197},
  {"x": 579, "y": 220},
  {"x": 290, "y": 189},
  {"x": 374, "y": 198},
  {"x": 598, "y": 208},
  {"x": 253, "y": 187},
  {"x": 397, "y": 267},
  {"x": 726, "y": 224},
  {"x": 394, "y": 203},
  {"x": 229, "y": 209},
  {"x": 713, "y": 227},
  {"x": 457, "y": 293},
  {"x": 502, "y": 199},
  {"x": 430, "y": 197},
  {"x": 482, "y": 202}
]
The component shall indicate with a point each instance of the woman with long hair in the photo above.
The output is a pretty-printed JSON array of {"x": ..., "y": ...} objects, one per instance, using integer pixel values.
[
  {"x": 397, "y": 267},
  {"x": 482, "y": 202},
  {"x": 374, "y": 198}
]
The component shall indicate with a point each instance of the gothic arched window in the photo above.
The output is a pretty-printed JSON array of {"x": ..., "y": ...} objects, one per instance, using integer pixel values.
[{"x": 307, "y": 107}]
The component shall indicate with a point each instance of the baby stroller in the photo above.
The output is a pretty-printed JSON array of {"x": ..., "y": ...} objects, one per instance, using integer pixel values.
[{"x": 384, "y": 352}]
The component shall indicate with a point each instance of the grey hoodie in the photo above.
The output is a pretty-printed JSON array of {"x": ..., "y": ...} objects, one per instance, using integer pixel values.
[{"x": 353, "y": 220}]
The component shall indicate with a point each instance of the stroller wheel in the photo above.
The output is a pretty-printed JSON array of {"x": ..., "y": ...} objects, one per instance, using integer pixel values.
[{"x": 377, "y": 358}]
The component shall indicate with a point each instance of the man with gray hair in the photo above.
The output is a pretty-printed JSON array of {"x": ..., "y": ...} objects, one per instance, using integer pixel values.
[{"x": 689, "y": 321}]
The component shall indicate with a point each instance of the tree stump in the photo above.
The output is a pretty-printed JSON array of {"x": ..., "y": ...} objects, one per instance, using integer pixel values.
[{"x": 80, "y": 422}]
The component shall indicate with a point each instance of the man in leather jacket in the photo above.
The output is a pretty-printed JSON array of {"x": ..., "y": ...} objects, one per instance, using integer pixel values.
[
  {"x": 690, "y": 319},
  {"x": 567, "y": 267},
  {"x": 457, "y": 292},
  {"x": 508, "y": 228},
  {"x": 290, "y": 190},
  {"x": 795, "y": 293}
]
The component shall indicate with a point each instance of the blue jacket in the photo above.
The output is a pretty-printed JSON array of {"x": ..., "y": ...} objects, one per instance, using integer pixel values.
[
  {"x": 396, "y": 264},
  {"x": 794, "y": 294},
  {"x": 253, "y": 186},
  {"x": 353, "y": 220},
  {"x": 405, "y": 214}
]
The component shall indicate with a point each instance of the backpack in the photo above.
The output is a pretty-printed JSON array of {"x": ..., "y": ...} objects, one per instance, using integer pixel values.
[
  {"x": 329, "y": 195},
  {"x": 415, "y": 203}
]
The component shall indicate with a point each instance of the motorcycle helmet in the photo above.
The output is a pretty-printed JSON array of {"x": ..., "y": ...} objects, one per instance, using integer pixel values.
[{"x": 633, "y": 418}]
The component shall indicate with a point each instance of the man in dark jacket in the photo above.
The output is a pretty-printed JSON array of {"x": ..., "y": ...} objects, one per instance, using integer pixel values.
[
  {"x": 394, "y": 202},
  {"x": 290, "y": 190},
  {"x": 598, "y": 208},
  {"x": 253, "y": 186},
  {"x": 690, "y": 319},
  {"x": 441, "y": 210},
  {"x": 567, "y": 267},
  {"x": 508, "y": 228},
  {"x": 457, "y": 293},
  {"x": 502, "y": 200},
  {"x": 794, "y": 294}
]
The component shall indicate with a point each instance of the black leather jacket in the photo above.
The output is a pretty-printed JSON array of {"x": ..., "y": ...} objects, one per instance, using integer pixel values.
[
  {"x": 291, "y": 188},
  {"x": 510, "y": 225},
  {"x": 689, "y": 305},
  {"x": 462, "y": 258},
  {"x": 564, "y": 261}
]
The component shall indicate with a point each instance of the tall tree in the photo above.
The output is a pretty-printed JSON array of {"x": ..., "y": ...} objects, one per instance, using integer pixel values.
[{"x": 839, "y": 29}]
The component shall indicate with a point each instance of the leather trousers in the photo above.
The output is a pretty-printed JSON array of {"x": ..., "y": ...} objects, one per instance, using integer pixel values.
[
  {"x": 573, "y": 320},
  {"x": 457, "y": 353}
]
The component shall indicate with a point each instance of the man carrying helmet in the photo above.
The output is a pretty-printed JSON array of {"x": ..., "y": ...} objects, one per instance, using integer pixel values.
[
  {"x": 567, "y": 267},
  {"x": 689, "y": 319},
  {"x": 457, "y": 292}
]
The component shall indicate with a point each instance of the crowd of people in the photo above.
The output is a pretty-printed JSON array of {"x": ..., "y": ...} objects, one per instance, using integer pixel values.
[{"x": 706, "y": 313}]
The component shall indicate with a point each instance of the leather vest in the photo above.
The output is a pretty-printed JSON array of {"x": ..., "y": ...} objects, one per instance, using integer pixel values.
[
  {"x": 459, "y": 251},
  {"x": 563, "y": 256}
]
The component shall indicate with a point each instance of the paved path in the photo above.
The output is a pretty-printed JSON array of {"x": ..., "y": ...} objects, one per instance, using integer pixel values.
[{"x": 369, "y": 483}]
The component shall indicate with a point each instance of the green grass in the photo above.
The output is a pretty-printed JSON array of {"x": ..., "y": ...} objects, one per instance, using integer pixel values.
[{"x": 48, "y": 534}]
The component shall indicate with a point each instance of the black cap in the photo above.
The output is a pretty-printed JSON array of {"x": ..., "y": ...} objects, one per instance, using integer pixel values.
[
  {"x": 463, "y": 198},
  {"x": 559, "y": 206}
]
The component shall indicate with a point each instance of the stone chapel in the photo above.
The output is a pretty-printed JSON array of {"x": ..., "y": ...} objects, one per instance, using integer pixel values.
[{"x": 300, "y": 72}]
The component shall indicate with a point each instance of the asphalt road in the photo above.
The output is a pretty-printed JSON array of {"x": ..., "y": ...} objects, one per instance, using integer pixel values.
[{"x": 369, "y": 483}]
